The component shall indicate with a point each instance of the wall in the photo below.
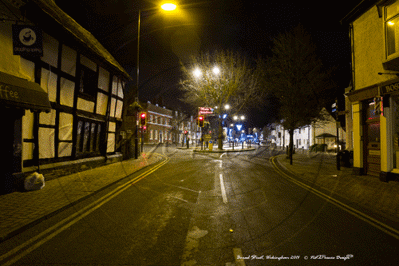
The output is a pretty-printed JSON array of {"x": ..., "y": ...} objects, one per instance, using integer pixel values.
[{"x": 58, "y": 73}]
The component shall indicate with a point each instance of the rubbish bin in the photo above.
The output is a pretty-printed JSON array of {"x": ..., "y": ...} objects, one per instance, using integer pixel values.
[
  {"x": 345, "y": 158},
  {"x": 210, "y": 145}
]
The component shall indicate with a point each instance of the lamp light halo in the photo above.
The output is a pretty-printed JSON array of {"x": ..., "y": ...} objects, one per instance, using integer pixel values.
[{"x": 168, "y": 6}]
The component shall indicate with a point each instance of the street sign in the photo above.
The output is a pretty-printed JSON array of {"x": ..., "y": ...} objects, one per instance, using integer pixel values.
[
  {"x": 334, "y": 107},
  {"x": 207, "y": 137},
  {"x": 205, "y": 110}
]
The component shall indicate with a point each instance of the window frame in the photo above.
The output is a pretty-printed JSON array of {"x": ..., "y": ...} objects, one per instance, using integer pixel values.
[{"x": 89, "y": 79}]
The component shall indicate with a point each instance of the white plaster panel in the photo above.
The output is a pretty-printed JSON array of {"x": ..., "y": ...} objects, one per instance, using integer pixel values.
[
  {"x": 65, "y": 126},
  {"x": 68, "y": 60},
  {"x": 47, "y": 118},
  {"x": 103, "y": 79},
  {"x": 27, "y": 69},
  {"x": 119, "y": 107},
  {"x": 50, "y": 50},
  {"x": 67, "y": 92},
  {"x": 102, "y": 101},
  {"x": 46, "y": 142},
  {"x": 85, "y": 105},
  {"x": 49, "y": 84},
  {"x": 112, "y": 110},
  {"x": 111, "y": 142},
  {"x": 88, "y": 63},
  {"x": 27, "y": 125},
  {"x": 27, "y": 151},
  {"x": 111, "y": 126},
  {"x": 64, "y": 149},
  {"x": 115, "y": 82}
]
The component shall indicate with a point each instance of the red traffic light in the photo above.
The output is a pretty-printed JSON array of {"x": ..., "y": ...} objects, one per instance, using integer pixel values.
[
  {"x": 143, "y": 117},
  {"x": 185, "y": 132},
  {"x": 201, "y": 121}
]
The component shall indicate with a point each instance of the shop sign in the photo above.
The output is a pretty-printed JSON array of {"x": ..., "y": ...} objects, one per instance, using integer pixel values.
[
  {"x": 390, "y": 88},
  {"x": 27, "y": 40},
  {"x": 20, "y": 92},
  {"x": 205, "y": 110}
]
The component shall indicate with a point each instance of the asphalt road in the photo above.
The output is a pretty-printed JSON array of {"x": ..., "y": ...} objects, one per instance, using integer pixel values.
[{"x": 206, "y": 209}]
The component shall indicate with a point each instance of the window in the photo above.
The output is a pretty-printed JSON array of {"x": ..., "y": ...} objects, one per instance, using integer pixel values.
[
  {"x": 392, "y": 28},
  {"x": 88, "y": 81},
  {"x": 88, "y": 137}
]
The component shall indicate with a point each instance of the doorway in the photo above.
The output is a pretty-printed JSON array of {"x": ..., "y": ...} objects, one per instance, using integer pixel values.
[
  {"x": 11, "y": 147},
  {"x": 371, "y": 137}
]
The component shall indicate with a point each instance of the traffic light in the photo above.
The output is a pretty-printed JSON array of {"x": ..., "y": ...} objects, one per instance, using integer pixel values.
[
  {"x": 143, "y": 119},
  {"x": 144, "y": 129},
  {"x": 185, "y": 132},
  {"x": 201, "y": 121}
]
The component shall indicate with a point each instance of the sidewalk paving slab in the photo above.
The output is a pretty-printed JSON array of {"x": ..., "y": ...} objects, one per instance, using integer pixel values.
[
  {"x": 21, "y": 210},
  {"x": 320, "y": 169}
]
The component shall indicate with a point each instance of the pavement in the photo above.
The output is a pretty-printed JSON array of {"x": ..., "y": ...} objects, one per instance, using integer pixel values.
[
  {"x": 319, "y": 170},
  {"x": 21, "y": 210}
]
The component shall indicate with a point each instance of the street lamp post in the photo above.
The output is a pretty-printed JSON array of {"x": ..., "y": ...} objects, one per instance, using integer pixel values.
[
  {"x": 166, "y": 7},
  {"x": 241, "y": 118}
]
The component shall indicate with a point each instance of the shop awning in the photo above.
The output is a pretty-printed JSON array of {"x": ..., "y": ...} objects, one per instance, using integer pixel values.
[{"x": 18, "y": 92}]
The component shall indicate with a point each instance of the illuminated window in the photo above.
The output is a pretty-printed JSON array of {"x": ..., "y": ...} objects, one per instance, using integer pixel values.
[{"x": 392, "y": 28}]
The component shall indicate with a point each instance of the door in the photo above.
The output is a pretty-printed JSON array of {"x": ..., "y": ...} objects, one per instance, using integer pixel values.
[
  {"x": 10, "y": 147},
  {"x": 371, "y": 133}
]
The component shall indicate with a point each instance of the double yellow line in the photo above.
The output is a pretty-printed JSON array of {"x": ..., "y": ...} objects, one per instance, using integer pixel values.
[
  {"x": 24, "y": 249},
  {"x": 370, "y": 220}
]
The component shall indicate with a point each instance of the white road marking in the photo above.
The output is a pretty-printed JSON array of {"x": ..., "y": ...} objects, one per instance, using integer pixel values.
[{"x": 223, "y": 189}]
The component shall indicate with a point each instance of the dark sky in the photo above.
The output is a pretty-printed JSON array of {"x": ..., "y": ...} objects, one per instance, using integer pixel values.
[{"x": 245, "y": 26}]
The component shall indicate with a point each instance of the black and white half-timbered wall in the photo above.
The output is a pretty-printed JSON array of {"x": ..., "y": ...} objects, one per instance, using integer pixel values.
[{"x": 60, "y": 102}]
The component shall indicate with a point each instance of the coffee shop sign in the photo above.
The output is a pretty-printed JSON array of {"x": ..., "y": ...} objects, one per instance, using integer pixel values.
[
  {"x": 205, "y": 110},
  {"x": 390, "y": 88}
]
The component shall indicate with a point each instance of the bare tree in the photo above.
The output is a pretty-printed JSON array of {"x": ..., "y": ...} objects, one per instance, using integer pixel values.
[
  {"x": 221, "y": 78},
  {"x": 296, "y": 77}
]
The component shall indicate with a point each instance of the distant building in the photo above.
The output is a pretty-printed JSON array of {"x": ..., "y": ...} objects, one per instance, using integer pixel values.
[
  {"x": 62, "y": 100},
  {"x": 320, "y": 132},
  {"x": 374, "y": 91},
  {"x": 159, "y": 125},
  {"x": 163, "y": 125}
]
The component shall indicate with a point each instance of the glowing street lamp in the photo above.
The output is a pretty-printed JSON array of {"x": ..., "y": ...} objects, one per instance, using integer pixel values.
[
  {"x": 216, "y": 70},
  {"x": 197, "y": 73},
  {"x": 168, "y": 7}
]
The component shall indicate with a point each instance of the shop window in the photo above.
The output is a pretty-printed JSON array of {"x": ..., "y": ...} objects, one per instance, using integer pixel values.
[{"x": 88, "y": 138}]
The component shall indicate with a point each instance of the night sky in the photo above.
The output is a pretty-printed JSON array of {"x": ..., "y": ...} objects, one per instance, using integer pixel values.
[{"x": 201, "y": 26}]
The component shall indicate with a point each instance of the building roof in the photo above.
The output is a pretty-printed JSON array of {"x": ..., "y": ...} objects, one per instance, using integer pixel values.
[
  {"x": 82, "y": 35},
  {"x": 362, "y": 7}
]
